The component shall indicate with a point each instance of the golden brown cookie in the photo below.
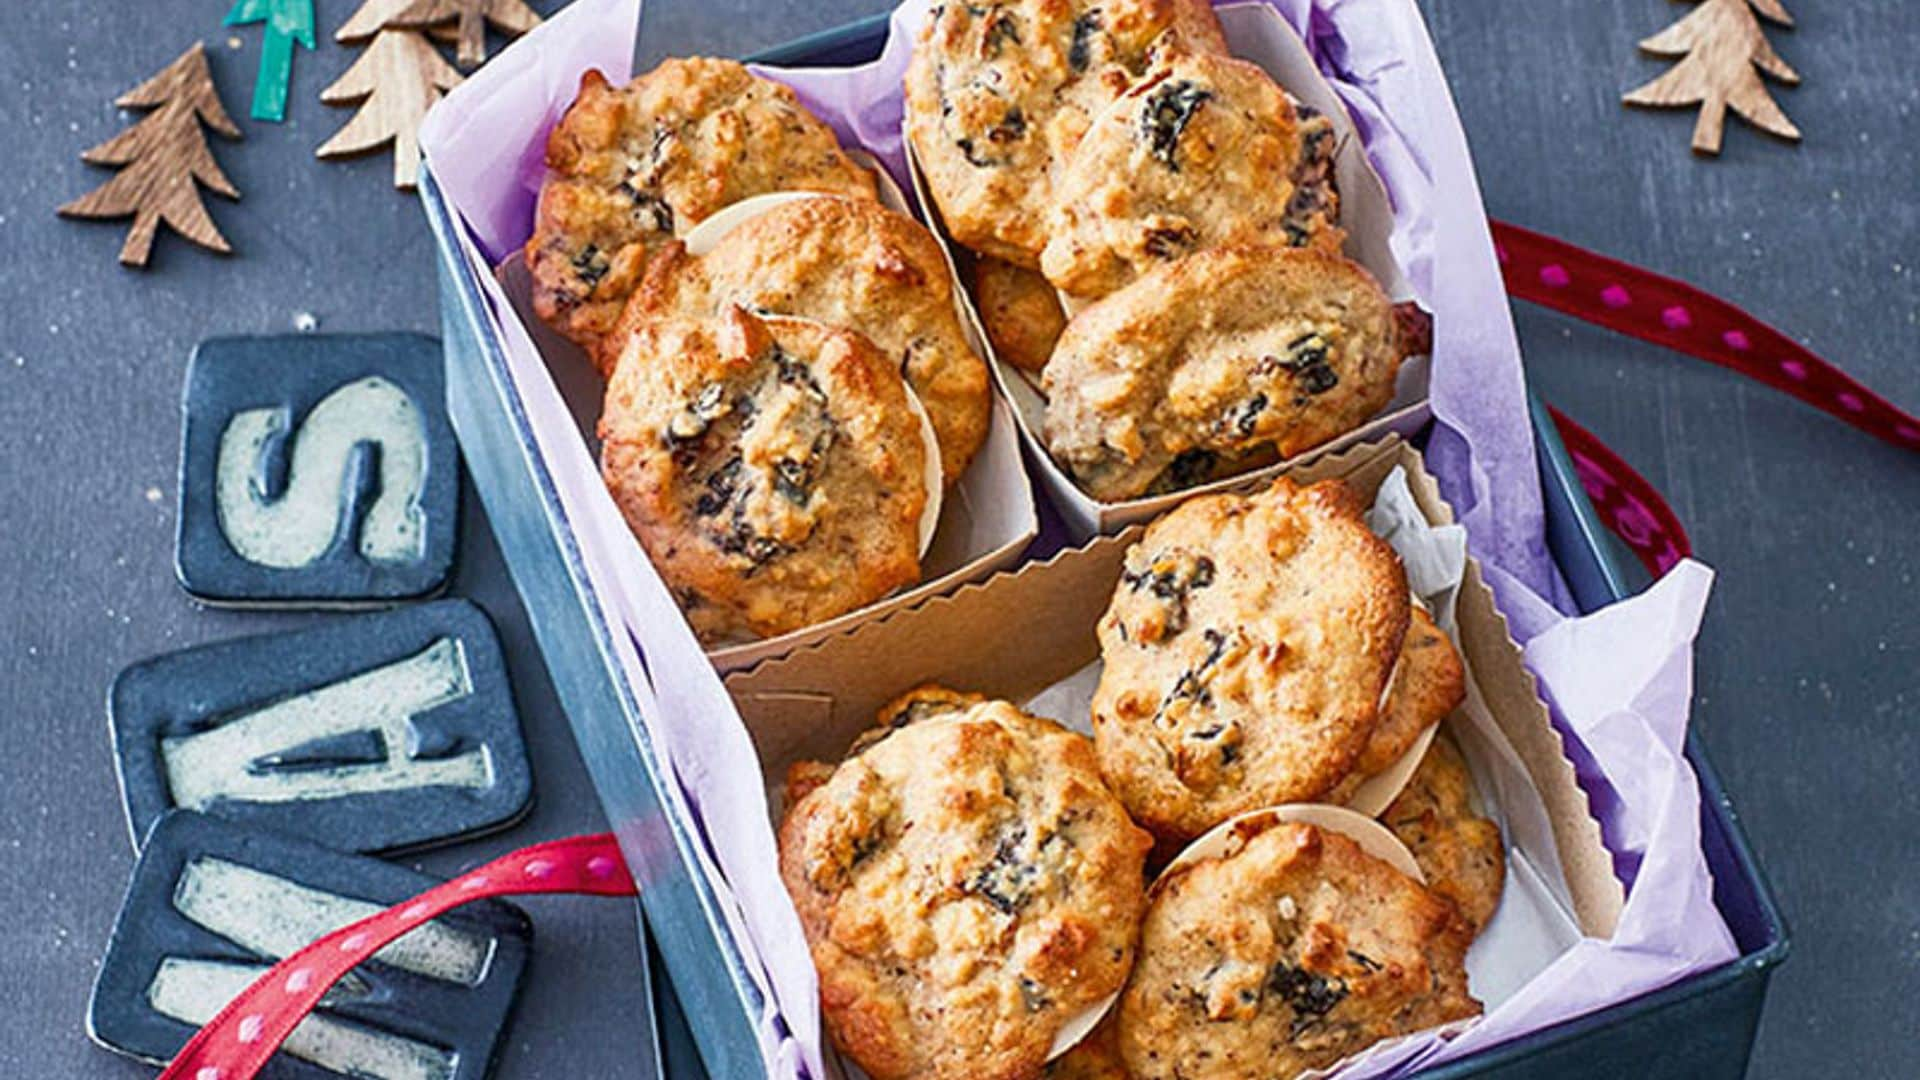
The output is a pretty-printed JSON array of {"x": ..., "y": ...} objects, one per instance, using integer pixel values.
[
  {"x": 1289, "y": 953},
  {"x": 630, "y": 165},
  {"x": 849, "y": 263},
  {"x": 1245, "y": 653},
  {"x": 772, "y": 467},
  {"x": 967, "y": 884},
  {"x": 1096, "y": 1057},
  {"x": 1460, "y": 852},
  {"x": 1203, "y": 152},
  {"x": 998, "y": 92},
  {"x": 1218, "y": 363},
  {"x": 1429, "y": 681},
  {"x": 1019, "y": 311}
]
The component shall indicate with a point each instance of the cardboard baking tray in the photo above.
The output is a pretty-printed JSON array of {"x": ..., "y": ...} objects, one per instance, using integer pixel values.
[{"x": 1701, "y": 1027}]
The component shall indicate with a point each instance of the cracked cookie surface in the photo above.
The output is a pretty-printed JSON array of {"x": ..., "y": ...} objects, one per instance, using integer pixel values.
[
  {"x": 997, "y": 92},
  {"x": 849, "y": 263},
  {"x": 1244, "y": 654},
  {"x": 1290, "y": 951},
  {"x": 1204, "y": 151},
  {"x": 630, "y": 165},
  {"x": 966, "y": 883},
  {"x": 1222, "y": 362},
  {"x": 772, "y": 467}
]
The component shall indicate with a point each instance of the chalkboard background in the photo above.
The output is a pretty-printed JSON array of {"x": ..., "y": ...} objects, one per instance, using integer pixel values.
[{"x": 1806, "y": 681}]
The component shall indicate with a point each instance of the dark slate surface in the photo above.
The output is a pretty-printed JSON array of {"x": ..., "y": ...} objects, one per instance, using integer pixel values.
[
  {"x": 461, "y": 1018},
  {"x": 199, "y": 690},
  {"x": 1806, "y": 676}
]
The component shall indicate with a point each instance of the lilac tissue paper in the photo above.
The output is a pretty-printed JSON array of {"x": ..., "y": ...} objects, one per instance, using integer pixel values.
[{"x": 1619, "y": 680}]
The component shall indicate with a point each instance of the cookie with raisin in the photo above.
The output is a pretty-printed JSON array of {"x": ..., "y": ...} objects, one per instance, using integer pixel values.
[
  {"x": 967, "y": 885},
  {"x": 1289, "y": 951},
  {"x": 1459, "y": 851},
  {"x": 773, "y": 469},
  {"x": 1203, "y": 152},
  {"x": 1019, "y": 311},
  {"x": 997, "y": 92},
  {"x": 1429, "y": 681},
  {"x": 850, "y": 263},
  {"x": 1244, "y": 653},
  {"x": 1221, "y": 362},
  {"x": 629, "y": 166}
]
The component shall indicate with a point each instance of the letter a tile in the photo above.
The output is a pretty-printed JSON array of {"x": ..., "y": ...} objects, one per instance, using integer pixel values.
[
  {"x": 213, "y": 904},
  {"x": 389, "y": 730},
  {"x": 316, "y": 470}
]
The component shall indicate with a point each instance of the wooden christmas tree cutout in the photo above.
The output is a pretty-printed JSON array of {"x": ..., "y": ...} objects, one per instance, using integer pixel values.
[
  {"x": 510, "y": 17},
  {"x": 398, "y": 78},
  {"x": 1721, "y": 43},
  {"x": 287, "y": 21},
  {"x": 161, "y": 160}
]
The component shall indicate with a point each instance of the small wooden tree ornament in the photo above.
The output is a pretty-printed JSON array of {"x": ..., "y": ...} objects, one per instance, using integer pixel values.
[
  {"x": 287, "y": 22},
  {"x": 1721, "y": 43},
  {"x": 510, "y": 17},
  {"x": 161, "y": 160},
  {"x": 398, "y": 78}
]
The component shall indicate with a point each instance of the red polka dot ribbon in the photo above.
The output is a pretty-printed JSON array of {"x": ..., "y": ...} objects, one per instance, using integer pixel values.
[
  {"x": 237, "y": 1042},
  {"x": 1648, "y": 306}
]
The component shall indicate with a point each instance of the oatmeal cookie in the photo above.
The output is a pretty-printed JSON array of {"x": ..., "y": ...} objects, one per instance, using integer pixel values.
[
  {"x": 1203, "y": 152},
  {"x": 1459, "y": 851},
  {"x": 1429, "y": 681},
  {"x": 1245, "y": 653},
  {"x": 1221, "y": 362},
  {"x": 998, "y": 92},
  {"x": 1019, "y": 311},
  {"x": 966, "y": 884},
  {"x": 630, "y": 165},
  {"x": 849, "y": 263},
  {"x": 1289, "y": 953},
  {"x": 772, "y": 468}
]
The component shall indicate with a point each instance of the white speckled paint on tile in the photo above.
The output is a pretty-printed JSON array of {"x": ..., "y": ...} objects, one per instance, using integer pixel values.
[
  {"x": 233, "y": 761},
  {"x": 296, "y": 529},
  {"x": 192, "y": 991},
  {"x": 275, "y": 917}
]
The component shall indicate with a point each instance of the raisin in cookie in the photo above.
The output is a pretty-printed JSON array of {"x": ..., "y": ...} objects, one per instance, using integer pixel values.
[
  {"x": 967, "y": 885},
  {"x": 772, "y": 468},
  {"x": 998, "y": 92},
  {"x": 1429, "y": 681},
  {"x": 1245, "y": 653},
  {"x": 1204, "y": 151},
  {"x": 1019, "y": 311},
  {"x": 1289, "y": 952},
  {"x": 1220, "y": 362},
  {"x": 849, "y": 263},
  {"x": 1459, "y": 851},
  {"x": 630, "y": 165}
]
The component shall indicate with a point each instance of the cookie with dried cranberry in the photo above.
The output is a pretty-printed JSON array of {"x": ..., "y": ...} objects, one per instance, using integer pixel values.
[
  {"x": 1245, "y": 652},
  {"x": 1290, "y": 951},
  {"x": 967, "y": 885},
  {"x": 1019, "y": 311},
  {"x": 998, "y": 92},
  {"x": 630, "y": 165},
  {"x": 1203, "y": 152},
  {"x": 1459, "y": 852},
  {"x": 1429, "y": 681},
  {"x": 850, "y": 263},
  {"x": 1218, "y": 363},
  {"x": 772, "y": 467}
]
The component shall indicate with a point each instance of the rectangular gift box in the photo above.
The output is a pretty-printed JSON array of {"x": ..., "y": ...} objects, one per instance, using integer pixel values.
[{"x": 1700, "y": 1026}]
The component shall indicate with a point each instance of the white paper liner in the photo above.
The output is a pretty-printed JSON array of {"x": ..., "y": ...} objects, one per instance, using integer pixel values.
[{"x": 1257, "y": 33}]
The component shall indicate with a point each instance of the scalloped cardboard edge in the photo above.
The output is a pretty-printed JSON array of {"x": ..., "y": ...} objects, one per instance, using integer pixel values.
[
  {"x": 1260, "y": 36},
  {"x": 1018, "y": 632}
]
